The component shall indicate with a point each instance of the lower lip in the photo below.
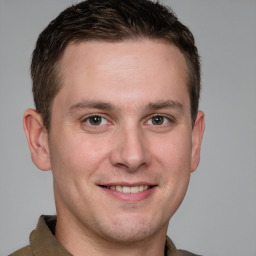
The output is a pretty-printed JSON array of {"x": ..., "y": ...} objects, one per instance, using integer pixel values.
[{"x": 130, "y": 197}]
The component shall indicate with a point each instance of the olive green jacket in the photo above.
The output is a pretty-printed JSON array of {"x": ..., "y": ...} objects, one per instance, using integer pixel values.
[{"x": 43, "y": 242}]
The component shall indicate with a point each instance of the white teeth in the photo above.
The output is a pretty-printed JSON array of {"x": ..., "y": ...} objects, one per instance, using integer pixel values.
[
  {"x": 128, "y": 190},
  {"x": 135, "y": 189},
  {"x": 119, "y": 188}
]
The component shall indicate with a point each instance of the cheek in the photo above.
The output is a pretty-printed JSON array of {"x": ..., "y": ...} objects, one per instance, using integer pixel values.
[
  {"x": 74, "y": 163},
  {"x": 172, "y": 161},
  {"x": 80, "y": 154},
  {"x": 174, "y": 152}
]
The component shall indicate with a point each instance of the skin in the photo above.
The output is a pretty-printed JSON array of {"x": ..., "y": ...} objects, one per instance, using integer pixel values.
[{"x": 143, "y": 135}]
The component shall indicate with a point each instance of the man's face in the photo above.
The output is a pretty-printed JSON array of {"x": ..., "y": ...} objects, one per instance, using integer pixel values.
[{"x": 121, "y": 139}]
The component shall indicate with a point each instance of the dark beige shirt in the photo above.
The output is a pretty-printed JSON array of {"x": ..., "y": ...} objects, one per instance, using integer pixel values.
[{"x": 43, "y": 242}]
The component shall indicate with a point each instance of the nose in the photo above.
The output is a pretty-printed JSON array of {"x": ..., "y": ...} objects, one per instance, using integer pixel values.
[{"x": 130, "y": 150}]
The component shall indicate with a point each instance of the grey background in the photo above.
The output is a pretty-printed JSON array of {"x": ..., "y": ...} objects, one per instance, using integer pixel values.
[{"x": 218, "y": 216}]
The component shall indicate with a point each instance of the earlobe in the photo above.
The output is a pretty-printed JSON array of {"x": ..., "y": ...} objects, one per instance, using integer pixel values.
[
  {"x": 37, "y": 138},
  {"x": 197, "y": 136}
]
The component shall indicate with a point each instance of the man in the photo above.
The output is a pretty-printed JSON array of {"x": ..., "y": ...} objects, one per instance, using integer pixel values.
[{"x": 116, "y": 86}]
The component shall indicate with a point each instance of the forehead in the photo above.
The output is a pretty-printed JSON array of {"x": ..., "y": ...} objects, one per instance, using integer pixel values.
[
  {"x": 97, "y": 52},
  {"x": 137, "y": 66}
]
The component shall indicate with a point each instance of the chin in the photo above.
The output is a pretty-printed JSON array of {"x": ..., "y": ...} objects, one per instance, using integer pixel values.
[{"x": 130, "y": 231}]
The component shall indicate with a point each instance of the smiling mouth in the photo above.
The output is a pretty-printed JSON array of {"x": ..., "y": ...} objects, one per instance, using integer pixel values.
[{"x": 129, "y": 190}]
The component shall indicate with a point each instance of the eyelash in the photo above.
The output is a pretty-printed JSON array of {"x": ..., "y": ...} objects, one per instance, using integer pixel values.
[
  {"x": 165, "y": 119},
  {"x": 87, "y": 120}
]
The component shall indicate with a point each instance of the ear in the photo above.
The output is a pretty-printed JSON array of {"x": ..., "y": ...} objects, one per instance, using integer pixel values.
[
  {"x": 37, "y": 138},
  {"x": 197, "y": 136}
]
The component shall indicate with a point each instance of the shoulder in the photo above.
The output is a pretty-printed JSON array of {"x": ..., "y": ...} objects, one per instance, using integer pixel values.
[
  {"x": 186, "y": 253},
  {"x": 25, "y": 251},
  {"x": 170, "y": 249}
]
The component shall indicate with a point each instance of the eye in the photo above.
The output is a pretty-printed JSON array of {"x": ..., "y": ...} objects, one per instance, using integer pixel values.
[
  {"x": 158, "y": 120},
  {"x": 96, "y": 120}
]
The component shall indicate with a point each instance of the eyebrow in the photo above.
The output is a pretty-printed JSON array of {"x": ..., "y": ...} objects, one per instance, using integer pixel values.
[
  {"x": 85, "y": 104},
  {"x": 92, "y": 104},
  {"x": 165, "y": 104}
]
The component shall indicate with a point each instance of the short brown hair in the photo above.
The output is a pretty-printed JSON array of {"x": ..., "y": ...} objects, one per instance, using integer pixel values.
[{"x": 112, "y": 21}]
